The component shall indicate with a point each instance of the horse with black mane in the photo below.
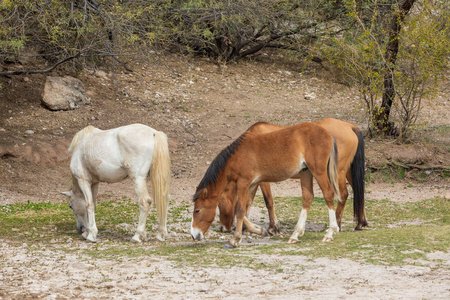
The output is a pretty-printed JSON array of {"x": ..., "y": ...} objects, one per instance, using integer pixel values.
[
  {"x": 270, "y": 157},
  {"x": 351, "y": 168}
]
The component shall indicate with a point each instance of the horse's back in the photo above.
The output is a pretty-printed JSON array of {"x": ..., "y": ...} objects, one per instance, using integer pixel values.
[
  {"x": 109, "y": 155},
  {"x": 338, "y": 128},
  {"x": 346, "y": 139},
  {"x": 263, "y": 127},
  {"x": 284, "y": 151},
  {"x": 136, "y": 135},
  {"x": 136, "y": 143}
]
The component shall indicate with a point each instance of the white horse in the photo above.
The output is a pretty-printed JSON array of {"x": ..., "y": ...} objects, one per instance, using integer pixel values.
[{"x": 110, "y": 156}]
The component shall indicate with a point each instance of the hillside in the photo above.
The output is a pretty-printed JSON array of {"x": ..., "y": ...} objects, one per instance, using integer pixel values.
[{"x": 202, "y": 107}]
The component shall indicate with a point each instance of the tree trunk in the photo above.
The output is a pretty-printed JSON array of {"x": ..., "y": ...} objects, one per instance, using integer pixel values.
[{"x": 382, "y": 114}]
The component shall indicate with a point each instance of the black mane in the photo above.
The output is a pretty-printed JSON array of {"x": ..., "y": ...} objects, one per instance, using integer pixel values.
[{"x": 217, "y": 165}]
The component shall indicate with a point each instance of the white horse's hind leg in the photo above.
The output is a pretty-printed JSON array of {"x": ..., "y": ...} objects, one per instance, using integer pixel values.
[
  {"x": 334, "y": 228},
  {"x": 144, "y": 206}
]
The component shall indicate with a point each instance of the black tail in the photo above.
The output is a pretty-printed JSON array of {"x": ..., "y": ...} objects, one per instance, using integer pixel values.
[{"x": 358, "y": 172}]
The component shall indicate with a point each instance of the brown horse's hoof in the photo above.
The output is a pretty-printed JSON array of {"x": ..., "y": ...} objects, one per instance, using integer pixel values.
[
  {"x": 228, "y": 246},
  {"x": 273, "y": 231},
  {"x": 361, "y": 225}
]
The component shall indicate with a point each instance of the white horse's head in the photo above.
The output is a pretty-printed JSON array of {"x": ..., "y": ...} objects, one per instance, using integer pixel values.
[{"x": 78, "y": 204}]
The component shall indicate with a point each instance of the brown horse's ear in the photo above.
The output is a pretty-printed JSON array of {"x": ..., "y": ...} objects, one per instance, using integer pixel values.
[{"x": 205, "y": 192}]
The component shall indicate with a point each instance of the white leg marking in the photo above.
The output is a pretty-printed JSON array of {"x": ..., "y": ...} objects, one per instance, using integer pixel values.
[
  {"x": 299, "y": 229},
  {"x": 333, "y": 226},
  {"x": 333, "y": 221}
]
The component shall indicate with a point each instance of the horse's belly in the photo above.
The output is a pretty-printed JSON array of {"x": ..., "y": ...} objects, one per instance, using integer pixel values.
[
  {"x": 109, "y": 174},
  {"x": 283, "y": 171}
]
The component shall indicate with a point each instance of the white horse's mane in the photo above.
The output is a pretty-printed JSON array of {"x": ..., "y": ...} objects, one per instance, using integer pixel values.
[{"x": 79, "y": 135}]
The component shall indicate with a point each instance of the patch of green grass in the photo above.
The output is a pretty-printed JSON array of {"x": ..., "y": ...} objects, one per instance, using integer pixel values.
[
  {"x": 398, "y": 232},
  {"x": 180, "y": 213}
]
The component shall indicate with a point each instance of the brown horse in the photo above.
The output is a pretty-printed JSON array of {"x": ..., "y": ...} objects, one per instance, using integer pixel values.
[
  {"x": 350, "y": 144},
  {"x": 269, "y": 157}
]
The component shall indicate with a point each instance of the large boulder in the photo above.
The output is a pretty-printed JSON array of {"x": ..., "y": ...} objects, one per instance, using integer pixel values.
[{"x": 64, "y": 93}]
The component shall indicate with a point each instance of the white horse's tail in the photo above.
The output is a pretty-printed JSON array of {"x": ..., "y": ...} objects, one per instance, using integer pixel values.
[{"x": 160, "y": 175}]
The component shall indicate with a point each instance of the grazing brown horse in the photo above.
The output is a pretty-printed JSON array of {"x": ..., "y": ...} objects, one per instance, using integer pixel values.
[
  {"x": 350, "y": 144},
  {"x": 269, "y": 157}
]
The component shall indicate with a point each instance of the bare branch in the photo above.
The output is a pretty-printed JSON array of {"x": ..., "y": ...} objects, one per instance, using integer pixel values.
[{"x": 25, "y": 72}]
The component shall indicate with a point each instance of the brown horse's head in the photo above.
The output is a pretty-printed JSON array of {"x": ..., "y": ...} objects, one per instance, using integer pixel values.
[
  {"x": 204, "y": 213},
  {"x": 211, "y": 190}
]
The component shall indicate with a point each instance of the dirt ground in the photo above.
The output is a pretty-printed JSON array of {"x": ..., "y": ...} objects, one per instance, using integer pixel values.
[{"x": 203, "y": 107}]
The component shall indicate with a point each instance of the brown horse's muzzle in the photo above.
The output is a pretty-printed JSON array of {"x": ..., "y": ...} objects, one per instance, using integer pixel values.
[{"x": 197, "y": 234}]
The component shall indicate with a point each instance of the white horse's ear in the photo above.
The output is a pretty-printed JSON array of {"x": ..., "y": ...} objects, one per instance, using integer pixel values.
[{"x": 68, "y": 193}]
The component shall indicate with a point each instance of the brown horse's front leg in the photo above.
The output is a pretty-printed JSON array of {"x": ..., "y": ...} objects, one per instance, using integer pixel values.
[
  {"x": 236, "y": 239},
  {"x": 241, "y": 211}
]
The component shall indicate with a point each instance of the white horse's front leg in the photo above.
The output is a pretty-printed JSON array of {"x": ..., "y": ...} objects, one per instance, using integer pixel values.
[
  {"x": 299, "y": 229},
  {"x": 90, "y": 234},
  {"x": 334, "y": 228}
]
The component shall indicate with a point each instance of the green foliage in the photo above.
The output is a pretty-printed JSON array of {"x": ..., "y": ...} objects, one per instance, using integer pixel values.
[
  {"x": 358, "y": 55},
  {"x": 225, "y": 30},
  {"x": 55, "y": 30}
]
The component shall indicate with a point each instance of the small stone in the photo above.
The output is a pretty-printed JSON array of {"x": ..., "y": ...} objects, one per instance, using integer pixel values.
[
  {"x": 30, "y": 132},
  {"x": 310, "y": 96}
]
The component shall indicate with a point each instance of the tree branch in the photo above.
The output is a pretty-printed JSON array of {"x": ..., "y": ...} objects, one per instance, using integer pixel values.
[{"x": 25, "y": 72}]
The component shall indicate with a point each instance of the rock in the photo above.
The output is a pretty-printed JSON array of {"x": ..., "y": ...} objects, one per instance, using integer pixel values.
[
  {"x": 310, "y": 96},
  {"x": 30, "y": 132},
  {"x": 64, "y": 93},
  {"x": 101, "y": 74}
]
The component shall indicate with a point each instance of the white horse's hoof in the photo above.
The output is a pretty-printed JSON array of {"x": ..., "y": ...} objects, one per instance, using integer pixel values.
[
  {"x": 327, "y": 239},
  {"x": 160, "y": 237},
  {"x": 292, "y": 241},
  {"x": 136, "y": 239},
  {"x": 85, "y": 235},
  {"x": 91, "y": 239}
]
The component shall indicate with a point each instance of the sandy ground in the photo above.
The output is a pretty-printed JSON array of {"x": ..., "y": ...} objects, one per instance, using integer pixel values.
[{"x": 29, "y": 273}]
